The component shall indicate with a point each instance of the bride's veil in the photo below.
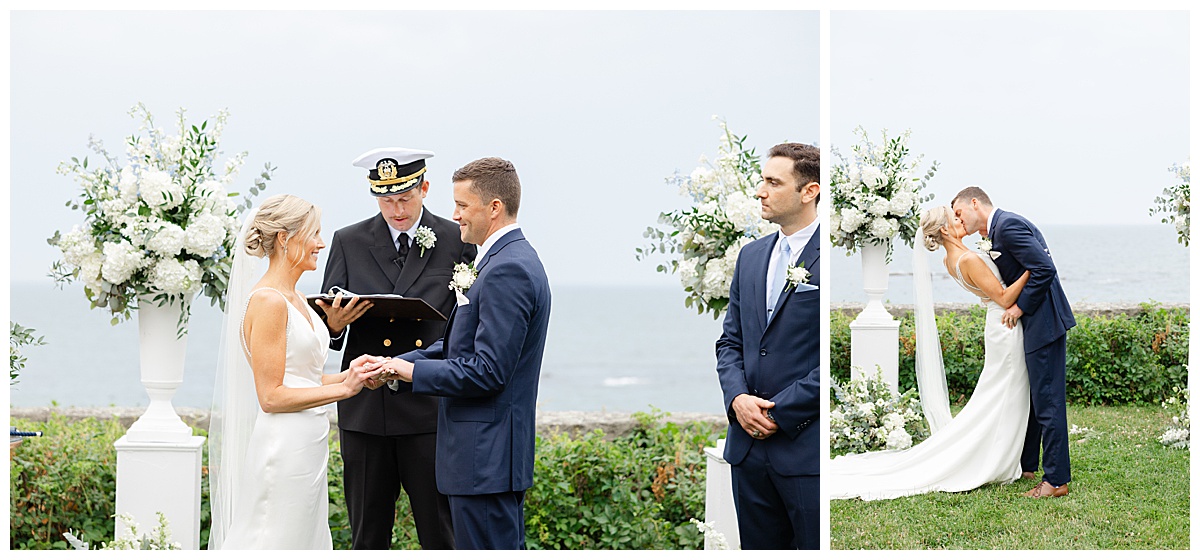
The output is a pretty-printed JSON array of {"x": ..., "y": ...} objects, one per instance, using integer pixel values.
[
  {"x": 235, "y": 402},
  {"x": 931, "y": 373}
]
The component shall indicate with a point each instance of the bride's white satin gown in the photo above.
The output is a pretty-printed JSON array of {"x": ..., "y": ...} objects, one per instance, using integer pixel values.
[
  {"x": 284, "y": 498},
  {"x": 982, "y": 444}
]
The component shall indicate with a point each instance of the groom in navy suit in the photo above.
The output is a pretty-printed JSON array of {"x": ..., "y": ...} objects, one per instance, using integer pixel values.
[
  {"x": 768, "y": 361},
  {"x": 487, "y": 365},
  {"x": 1045, "y": 314}
]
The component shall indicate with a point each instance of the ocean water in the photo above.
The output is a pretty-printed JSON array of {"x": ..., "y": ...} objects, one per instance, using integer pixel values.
[
  {"x": 608, "y": 349},
  {"x": 1096, "y": 264}
]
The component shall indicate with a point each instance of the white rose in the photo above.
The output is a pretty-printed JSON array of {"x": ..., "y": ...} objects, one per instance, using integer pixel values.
[{"x": 899, "y": 439}]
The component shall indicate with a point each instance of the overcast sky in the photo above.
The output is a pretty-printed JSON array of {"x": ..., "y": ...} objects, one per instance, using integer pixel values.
[
  {"x": 1065, "y": 117},
  {"x": 595, "y": 109}
]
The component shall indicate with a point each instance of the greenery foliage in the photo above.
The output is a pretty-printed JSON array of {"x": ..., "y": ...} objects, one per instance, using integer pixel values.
[
  {"x": 633, "y": 492},
  {"x": 1116, "y": 359},
  {"x": 19, "y": 336}
]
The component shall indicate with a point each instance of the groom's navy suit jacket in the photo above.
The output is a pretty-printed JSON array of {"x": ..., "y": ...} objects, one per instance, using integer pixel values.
[
  {"x": 486, "y": 369},
  {"x": 779, "y": 361},
  {"x": 1046, "y": 313}
]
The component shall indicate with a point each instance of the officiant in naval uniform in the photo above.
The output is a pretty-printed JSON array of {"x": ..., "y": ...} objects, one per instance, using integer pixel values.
[{"x": 388, "y": 439}]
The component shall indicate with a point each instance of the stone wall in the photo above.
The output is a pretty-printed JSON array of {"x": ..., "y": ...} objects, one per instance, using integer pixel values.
[{"x": 614, "y": 424}]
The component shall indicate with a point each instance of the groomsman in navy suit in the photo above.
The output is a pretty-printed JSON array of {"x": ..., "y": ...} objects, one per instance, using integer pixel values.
[
  {"x": 768, "y": 360},
  {"x": 388, "y": 440},
  {"x": 1045, "y": 314},
  {"x": 487, "y": 365}
]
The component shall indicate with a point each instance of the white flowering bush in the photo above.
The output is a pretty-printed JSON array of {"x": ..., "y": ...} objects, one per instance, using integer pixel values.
[
  {"x": 1176, "y": 203},
  {"x": 158, "y": 539},
  {"x": 162, "y": 224},
  {"x": 877, "y": 194},
  {"x": 702, "y": 241},
  {"x": 1178, "y": 434},
  {"x": 866, "y": 416}
]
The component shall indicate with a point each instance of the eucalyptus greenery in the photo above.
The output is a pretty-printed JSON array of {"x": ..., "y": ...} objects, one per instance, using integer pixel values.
[
  {"x": 19, "y": 336},
  {"x": 1176, "y": 203}
]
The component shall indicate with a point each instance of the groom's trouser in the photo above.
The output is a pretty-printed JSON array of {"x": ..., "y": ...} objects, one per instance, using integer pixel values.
[
  {"x": 775, "y": 512},
  {"x": 1047, "y": 429},
  {"x": 375, "y": 469},
  {"x": 489, "y": 521}
]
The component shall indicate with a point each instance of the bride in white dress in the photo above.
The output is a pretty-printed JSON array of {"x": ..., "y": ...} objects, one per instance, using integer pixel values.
[
  {"x": 268, "y": 436},
  {"x": 983, "y": 443}
]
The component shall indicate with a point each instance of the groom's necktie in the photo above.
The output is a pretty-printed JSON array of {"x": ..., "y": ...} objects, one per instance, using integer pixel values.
[
  {"x": 775, "y": 288},
  {"x": 402, "y": 248}
]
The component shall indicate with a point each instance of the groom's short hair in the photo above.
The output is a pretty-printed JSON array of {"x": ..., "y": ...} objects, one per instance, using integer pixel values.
[
  {"x": 968, "y": 193},
  {"x": 806, "y": 162},
  {"x": 493, "y": 178}
]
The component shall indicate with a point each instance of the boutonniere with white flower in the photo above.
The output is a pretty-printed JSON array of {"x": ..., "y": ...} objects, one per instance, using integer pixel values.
[
  {"x": 985, "y": 246},
  {"x": 461, "y": 281},
  {"x": 797, "y": 275},
  {"x": 425, "y": 239}
]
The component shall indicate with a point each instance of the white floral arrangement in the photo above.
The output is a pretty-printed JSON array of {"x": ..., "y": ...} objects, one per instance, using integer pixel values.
[
  {"x": 713, "y": 539},
  {"x": 877, "y": 195},
  {"x": 425, "y": 239},
  {"x": 1178, "y": 434},
  {"x": 1176, "y": 203},
  {"x": 161, "y": 225},
  {"x": 158, "y": 539},
  {"x": 797, "y": 275},
  {"x": 866, "y": 416},
  {"x": 702, "y": 241}
]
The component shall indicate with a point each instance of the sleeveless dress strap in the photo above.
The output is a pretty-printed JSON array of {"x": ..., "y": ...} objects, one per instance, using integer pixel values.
[
  {"x": 962, "y": 281},
  {"x": 242, "y": 324}
]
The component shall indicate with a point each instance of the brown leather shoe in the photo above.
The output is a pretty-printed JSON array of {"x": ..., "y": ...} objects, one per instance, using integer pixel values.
[
  {"x": 1028, "y": 475},
  {"x": 1046, "y": 490}
]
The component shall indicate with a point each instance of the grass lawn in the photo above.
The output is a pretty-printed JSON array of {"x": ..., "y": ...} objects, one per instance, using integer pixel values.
[{"x": 1127, "y": 492}]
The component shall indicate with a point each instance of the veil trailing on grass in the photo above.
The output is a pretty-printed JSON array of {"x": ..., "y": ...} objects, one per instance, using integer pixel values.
[
  {"x": 235, "y": 402},
  {"x": 931, "y": 373}
]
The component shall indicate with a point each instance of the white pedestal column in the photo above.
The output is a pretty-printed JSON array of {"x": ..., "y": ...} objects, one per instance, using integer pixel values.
[
  {"x": 165, "y": 476},
  {"x": 874, "y": 334},
  {"x": 718, "y": 496}
]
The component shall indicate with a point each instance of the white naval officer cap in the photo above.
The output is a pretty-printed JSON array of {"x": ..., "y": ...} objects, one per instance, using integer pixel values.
[{"x": 393, "y": 170}]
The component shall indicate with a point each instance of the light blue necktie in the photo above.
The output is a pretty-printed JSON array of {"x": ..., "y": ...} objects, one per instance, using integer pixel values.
[{"x": 775, "y": 289}]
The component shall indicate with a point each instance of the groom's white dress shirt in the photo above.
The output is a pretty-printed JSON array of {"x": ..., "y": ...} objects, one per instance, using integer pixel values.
[
  {"x": 796, "y": 243},
  {"x": 987, "y": 226},
  {"x": 491, "y": 240}
]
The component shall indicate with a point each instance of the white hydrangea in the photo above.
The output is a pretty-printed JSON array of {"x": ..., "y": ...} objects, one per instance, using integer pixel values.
[
  {"x": 212, "y": 197},
  {"x": 127, "y": 183},
  {"x": 718, "y": 275},
  {"x": 166, "y": 239},
  {"x": 121, "y": 260},
  {"x": 171, "y": 276},
  {"x": 892, "y": 421},
  {"x": 159, "y": 190},
  {"x": 902, "y": 202},
  {"x": 852, "y": 219},
  {"x": 872, "y": 177},
  {"x": 689, "y": 275},
  {"x": 76, "y": 245},
  {"x": 879, "y": 206},
  {"x": 883, "y": 228},
  {"x": 867, "y": 409},
  {"x": 743, "y": 210},
  {"x": 205, "y": 234},
  {"x": 899, "y": 439},
  {"x": 89, "y": 269}
]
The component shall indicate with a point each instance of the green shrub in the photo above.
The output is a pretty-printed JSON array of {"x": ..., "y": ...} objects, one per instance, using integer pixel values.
[
  {"x": 63, "y": 480},
  {"x": 635, "y": 492},
  {"x": 1120, "y": 359}
]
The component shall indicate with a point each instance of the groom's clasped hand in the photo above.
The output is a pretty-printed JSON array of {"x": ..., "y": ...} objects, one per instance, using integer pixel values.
[{"x": 375, "y": 371}]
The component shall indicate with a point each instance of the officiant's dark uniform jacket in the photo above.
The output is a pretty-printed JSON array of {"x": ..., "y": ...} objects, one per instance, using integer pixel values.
[
  {"x": 1046, "y": 317},
  {"x": 389, "y": 438},
  {"x": 777, "y": 479},
  {"x": 487, "y": 369}
]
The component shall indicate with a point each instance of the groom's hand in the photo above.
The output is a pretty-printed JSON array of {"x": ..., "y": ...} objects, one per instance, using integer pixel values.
[
  {"x": 751, "y": 413},
  {"x": 1011, "y": 316}
]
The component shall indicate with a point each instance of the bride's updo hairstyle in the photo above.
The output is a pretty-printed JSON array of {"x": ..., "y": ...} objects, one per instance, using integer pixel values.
[
  {"x": 284, "y": 213},
  {"x": 932, "y": 222}
]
